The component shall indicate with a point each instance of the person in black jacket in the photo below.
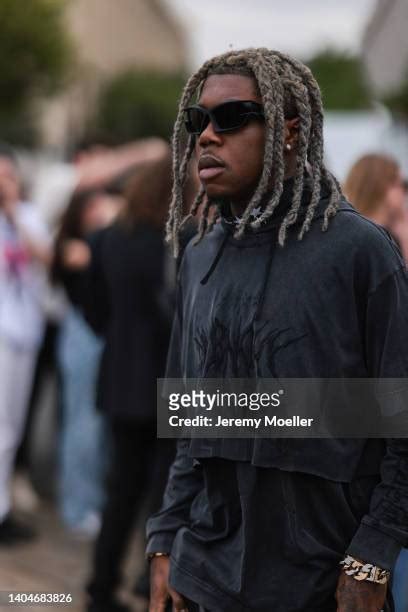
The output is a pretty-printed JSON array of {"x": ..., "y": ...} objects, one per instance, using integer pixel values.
[
  {"x": 285, "y": 280},
  {"x": 126, "y": 305}
]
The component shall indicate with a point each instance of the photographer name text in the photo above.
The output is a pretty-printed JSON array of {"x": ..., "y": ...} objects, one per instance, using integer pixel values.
[{"x": 253, "y": 423}]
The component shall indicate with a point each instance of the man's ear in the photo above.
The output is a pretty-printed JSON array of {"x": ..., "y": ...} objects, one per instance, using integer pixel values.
[{"x": 292, "y": 131}]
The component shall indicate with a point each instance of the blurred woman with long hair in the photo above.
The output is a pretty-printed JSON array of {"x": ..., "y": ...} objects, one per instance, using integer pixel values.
[
  {"x": 82, "y": 460},
  {"x": 126, "y": 307},
  {"x": 375, "y": 186}
]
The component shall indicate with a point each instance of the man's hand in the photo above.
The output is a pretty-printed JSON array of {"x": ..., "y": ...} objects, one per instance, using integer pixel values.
[
  {"x": 359, "y": 596},
  {"x": 160, "y": 590}
]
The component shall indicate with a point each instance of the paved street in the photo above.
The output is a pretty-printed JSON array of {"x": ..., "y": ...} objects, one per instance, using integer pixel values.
[{"x": 55, "y": 562}]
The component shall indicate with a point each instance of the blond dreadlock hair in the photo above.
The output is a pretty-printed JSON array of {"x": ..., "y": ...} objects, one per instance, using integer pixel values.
[{"x": 287, "y": 87}]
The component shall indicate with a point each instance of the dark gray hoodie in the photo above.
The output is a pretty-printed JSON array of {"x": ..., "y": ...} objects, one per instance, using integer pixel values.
[{"x": 333, "y": 305}]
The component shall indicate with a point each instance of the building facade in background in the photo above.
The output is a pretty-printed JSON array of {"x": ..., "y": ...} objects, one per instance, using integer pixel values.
[
  {"x": 385, "y": 57},
  {"x": 385, "y": 46},
  {"x": 109, "y": 37}
]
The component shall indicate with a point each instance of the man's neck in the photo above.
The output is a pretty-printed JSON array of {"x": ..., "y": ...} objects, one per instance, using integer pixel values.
[{"x": 238, "y": 207}]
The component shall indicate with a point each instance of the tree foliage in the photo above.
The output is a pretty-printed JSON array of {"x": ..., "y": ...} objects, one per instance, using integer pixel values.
[
  {"x": 137, "y": 104},
  {"x": 35, "y": 53},
  {"x": 342, "y": 80}
]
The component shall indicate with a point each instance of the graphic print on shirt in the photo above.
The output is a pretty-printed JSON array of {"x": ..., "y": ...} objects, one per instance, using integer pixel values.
[
  {"x": 16, "y": 258},
  {"x": 243, "y": 348}
]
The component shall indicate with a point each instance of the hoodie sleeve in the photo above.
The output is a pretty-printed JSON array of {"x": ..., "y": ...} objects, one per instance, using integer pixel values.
[
  {"x": 183, "y": 485},
  {"x": 384, "y": 530}
]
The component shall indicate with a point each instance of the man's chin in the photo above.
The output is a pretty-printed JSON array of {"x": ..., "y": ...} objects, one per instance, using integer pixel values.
[{"x": 217, "y": 192}]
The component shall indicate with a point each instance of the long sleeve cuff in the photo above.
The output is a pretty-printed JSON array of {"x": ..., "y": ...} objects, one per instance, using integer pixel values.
[
  {"x": 160, "y": 542},
  {"x": 374, "y": 545}
]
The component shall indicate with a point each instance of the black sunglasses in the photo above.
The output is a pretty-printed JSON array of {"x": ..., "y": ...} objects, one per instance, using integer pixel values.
[{"x": 224, "y": 117}]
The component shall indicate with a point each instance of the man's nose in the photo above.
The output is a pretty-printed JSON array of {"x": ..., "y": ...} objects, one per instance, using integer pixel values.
[{"x": 209, "y": 136}]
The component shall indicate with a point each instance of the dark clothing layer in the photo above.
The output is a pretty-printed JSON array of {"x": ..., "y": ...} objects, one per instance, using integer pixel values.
[
  {"x": 124, "y": 304},
  {"x": 330, "y": 306},
  {"x": 267, "y": 539}
]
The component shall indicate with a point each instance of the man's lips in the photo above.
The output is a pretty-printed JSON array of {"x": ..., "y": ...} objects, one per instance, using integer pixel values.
[{"x": 210, "y": 166}]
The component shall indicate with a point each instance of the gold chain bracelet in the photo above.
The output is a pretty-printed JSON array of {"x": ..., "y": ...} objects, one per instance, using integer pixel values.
[{"x": 364, "y": 571}]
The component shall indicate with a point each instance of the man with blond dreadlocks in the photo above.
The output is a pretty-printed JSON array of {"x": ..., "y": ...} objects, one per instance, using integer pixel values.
[{"x": 284, "y": 280}]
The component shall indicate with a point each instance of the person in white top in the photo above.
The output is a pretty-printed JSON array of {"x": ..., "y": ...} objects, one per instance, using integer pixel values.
[{"x": 24, "y": 255}]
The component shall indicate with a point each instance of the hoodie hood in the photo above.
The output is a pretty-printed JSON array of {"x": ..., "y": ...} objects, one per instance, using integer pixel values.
[{"x": 252, "y": 236}]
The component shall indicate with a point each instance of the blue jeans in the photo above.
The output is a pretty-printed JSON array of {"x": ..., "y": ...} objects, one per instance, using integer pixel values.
[
  {"x": 83, "y": 448},
  {"x": 400, "y": 582}
]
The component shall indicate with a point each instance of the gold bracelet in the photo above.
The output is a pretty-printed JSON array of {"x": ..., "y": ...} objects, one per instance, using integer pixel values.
[
  {"x": 151, "y": 556},
  {"x": 364, "y": 571}
]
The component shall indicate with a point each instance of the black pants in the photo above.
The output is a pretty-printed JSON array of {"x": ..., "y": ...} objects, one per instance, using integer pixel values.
[{"x": 139, "y": 470}]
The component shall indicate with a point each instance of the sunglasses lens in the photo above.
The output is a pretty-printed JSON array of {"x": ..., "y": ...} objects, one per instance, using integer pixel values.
[
  {"x": 196, "y": 120},
  {"x": 230, "y": 116},
  {"x": 225, "y": 117}
]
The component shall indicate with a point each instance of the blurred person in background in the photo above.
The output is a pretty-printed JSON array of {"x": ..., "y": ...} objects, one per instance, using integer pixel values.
[
  {"x": 376, "y": 188},
  {"x": 25, "y": 252},
  {"x": 127, "y": 307},
  {"x": 83, "y": 439},
  {"x": 93, "y": 167}
]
